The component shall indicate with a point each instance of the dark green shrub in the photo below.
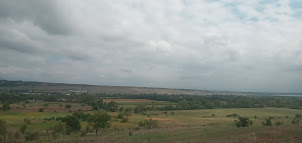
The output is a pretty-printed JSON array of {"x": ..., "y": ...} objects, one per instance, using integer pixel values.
[
  {"x": 267, "y": 122},
  {"x": 243, "y": 122}
]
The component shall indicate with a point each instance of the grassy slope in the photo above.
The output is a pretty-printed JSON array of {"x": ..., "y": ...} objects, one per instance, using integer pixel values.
[{"x": 183, "y": 126}]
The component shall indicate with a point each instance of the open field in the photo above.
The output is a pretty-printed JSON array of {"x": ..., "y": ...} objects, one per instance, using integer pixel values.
[{"x": 206, "y": 125}]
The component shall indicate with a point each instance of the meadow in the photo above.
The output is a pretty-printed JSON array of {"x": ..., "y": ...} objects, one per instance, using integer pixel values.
[{"x": 203, "y": 125}]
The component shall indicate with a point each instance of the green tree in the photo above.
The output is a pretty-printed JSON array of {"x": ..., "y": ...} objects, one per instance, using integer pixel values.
[
  {"x": 120, "y": 115},
  {"x": 99, "y": 120},
  {"x": 140, "y": 108},
  {"x": 5, "y": 107},
  {"x": 31, "y": 136},
  {"x": 59, "y": 128},
  {"x": 3, "y": 129},
  {"x": 72, "y": 124},
  {"x": 68, "y": 106},
  {"x": 267, "y": 122},
  {"x": 112, "y": 106},
  {"x": 151, "y": 123},
  {"x": 243, "y": 122},
  {"x": 23, "y": 128},
  {"x": 41, "y": 109}
]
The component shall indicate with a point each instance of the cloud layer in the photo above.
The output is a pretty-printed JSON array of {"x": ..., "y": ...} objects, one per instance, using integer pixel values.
[{"x": 216, "y": 45}]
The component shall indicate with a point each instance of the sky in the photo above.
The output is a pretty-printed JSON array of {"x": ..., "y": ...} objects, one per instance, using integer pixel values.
[{"x": 228, "y": 45}]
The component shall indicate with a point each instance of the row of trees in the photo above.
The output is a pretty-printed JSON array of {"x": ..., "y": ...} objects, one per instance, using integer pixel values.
[
  {"x": 245, "y": 121},
  {"x": 70, "y": 124},
  {"x": 189, "y": 102},
  {"x": 184, "y": 102}
]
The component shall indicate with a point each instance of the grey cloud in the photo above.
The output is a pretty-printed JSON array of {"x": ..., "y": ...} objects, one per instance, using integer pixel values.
[{"x": 45, "y": 14}]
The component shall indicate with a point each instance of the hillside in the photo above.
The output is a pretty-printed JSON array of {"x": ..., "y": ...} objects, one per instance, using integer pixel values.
[{"x": 25, "y": 86}]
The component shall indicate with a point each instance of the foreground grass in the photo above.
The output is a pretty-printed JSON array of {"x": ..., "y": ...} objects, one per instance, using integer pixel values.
[{"x": 208, "y": 125}]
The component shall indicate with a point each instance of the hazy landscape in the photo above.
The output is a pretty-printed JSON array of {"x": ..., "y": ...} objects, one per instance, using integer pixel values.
[
  {"x": 151, "y": 71},
  {"x": 39, "y": 111}
]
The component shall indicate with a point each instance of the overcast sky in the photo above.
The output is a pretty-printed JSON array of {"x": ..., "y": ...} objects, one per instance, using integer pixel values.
[{"x": 234, "y": 45}]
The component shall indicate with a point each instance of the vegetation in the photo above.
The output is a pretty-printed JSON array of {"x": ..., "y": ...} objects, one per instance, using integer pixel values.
[
  {"x": 72, "y": 124},
  {"x": 155, "y": 118},
  {"x": 243, "y": 122},
  {"x": 3, "y": 129},
  {"x": 5, "y": 107}
]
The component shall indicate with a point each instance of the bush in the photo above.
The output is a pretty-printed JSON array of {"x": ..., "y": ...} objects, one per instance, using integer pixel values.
[
  {"x": 27, "y": 121},
  {"x": 298, "y": 116},
  {"x": 141, "y": 123},
  {"x": 41, "y": 109},
  {"x": 68, "y": 106},
  {"x": 124, "y": 120},
  {"x": 83, "y": 133},
  {"x": 295, "y": 121},
  {"x": 54, "y": 135},
  {"x": 234, "y": 115},
  {"x": 267, "y": 122},
  {"x": 151, "y": 123},
  {"x": 243, "y": 122},
  {"x": 32, "y": 136},
  {"x": 120, "y": 116},
  {"x": 23, "y": 129},
  {"x": 278, "y": 123},
  {"x": 5, "y": 107}
]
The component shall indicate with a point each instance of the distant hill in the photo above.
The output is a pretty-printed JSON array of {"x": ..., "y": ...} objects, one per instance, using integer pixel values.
[{"x": 63, "y": 87}]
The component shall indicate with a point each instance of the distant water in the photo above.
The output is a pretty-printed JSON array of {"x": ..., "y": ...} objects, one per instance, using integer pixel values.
[{"x": 288, "y": 95}]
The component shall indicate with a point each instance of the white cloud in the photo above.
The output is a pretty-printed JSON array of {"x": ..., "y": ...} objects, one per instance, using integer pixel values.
[{"x": 220, "y": 45}]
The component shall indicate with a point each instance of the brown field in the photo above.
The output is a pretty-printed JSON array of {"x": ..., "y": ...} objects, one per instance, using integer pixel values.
[{"x": 128, "y": 100}]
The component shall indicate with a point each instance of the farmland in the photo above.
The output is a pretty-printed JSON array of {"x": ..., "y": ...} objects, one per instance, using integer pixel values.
[
  {"x": 173, "y": 126},
  {"x": 45, "y": 112}
]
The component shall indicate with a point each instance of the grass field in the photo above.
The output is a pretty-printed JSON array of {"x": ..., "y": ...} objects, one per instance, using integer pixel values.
[{"x": 208, "y": 125}]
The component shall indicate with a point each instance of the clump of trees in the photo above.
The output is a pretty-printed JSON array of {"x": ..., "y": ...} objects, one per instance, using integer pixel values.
[
  {"x": 234, "y": 115},
  {"x": 72, "y": 124},
  {"x": 140, "y": 108},
  {"x": 267, "y": 122},
  {"x": 3, "y": 129},
  {"x": 296, "y": 119},
  {"x": 59, "y": 129},
  {"x": 149, "y": 123},
  {"x": 99, "y": 120},
  {"x": 243, "y": 122}
]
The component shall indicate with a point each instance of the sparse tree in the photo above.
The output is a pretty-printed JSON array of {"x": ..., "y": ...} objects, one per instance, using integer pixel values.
[
  {"x": 68, "y": 106},
  {"x": 139, "y": 108},
  {"x": 5, "y": 107},
  {"x": 267, "y": 122},
  {"x": 59, "y": 128},
  {"x": 243, "y": 122},
  {"x": 120, "y": 115},
  {"x": 112, "y": 106},
  {"x": 3, "y": 129},
  {"x": 72, "y": 124},
  {"x": 31, "y": 136},
  {"x": 99, "y": 120},
  {"x": 23, "y": 128},
  {"x": 150, "y": 124},
  {"x": 41, "y": 109}
]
